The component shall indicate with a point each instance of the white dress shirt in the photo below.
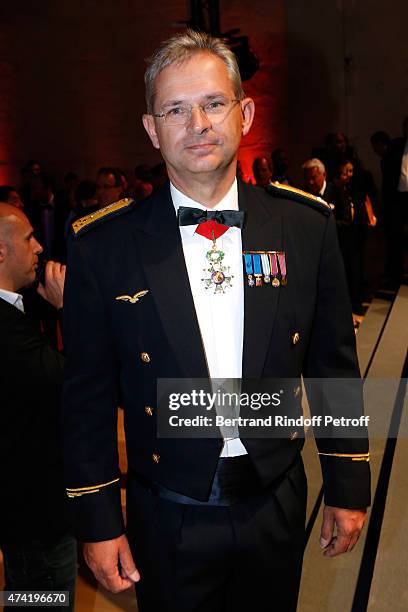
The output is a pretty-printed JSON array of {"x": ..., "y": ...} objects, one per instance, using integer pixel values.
[
  {"x": 220, "y": 316},
  {"x": 403, "y": 181},
  {"x": 15, "y": 299}
]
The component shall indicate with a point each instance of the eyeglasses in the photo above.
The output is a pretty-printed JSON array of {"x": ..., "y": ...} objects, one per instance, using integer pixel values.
[{"x": 215, "y": 111}]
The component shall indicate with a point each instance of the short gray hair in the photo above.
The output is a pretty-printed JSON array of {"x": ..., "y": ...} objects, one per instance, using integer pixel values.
[
  {"x": 314, "y": 163},
  {"x": 180, "y": 48}
]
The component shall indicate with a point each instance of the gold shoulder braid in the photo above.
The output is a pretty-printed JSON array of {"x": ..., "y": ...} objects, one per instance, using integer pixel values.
[
  {"x": 293, "y": 193},
  {"x": 112, "y": 210}
]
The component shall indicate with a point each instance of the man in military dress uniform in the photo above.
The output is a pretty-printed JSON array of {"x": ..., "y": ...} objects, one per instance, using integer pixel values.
[{"x": 212, "y": 524}]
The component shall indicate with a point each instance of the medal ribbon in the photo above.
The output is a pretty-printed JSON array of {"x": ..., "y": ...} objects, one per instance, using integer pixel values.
[
  {"x": 265, "y": 266},
  {"x": 282, "y": 264},
  {"x": 257, "y": 265},
  {"x": 211, "y": 230},
  {"x": 274, "y": 264},
  {"x": 248, "y": 263}
]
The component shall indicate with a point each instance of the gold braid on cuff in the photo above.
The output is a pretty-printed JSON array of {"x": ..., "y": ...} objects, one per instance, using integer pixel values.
[
  {"x": 357, "y": 457},
  {"x": 87, "y": 490}
]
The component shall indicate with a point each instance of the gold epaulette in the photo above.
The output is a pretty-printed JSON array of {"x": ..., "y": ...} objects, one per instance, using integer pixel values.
[
  {"x": 353, "y": 457},
  {"x": 112, "y": 210},
  {"x": 87, "y": 490},
  {"x": 293, "y": 193}
]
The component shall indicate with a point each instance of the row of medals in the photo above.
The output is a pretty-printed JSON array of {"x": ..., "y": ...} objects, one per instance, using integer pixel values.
[
  {"x": 218, "y": 277},
  {"x": 273, "y": 264}
]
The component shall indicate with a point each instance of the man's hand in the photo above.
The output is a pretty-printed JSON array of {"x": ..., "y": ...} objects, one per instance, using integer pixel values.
[
  {"x": 349, "y": 524},
  {"x": 112, "y": 563},
  {"x": 53, "y": 289}
]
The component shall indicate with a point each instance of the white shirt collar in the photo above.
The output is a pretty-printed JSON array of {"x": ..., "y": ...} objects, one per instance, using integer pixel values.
[
  {"x": 15, "y": 299},
  {"x": 228, "y": 202},
  {"x": 323, "y": 189}
]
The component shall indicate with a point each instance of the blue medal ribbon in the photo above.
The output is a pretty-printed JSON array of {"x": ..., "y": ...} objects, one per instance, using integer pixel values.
[
  {"x": 248, "y": 263},
  {"x": 249, "y": 269},
  {"x": 257, "y": 270},
  {"x": 257, "y": 264}
]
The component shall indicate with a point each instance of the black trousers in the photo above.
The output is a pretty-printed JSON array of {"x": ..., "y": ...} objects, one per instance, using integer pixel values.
[
  {"x": 395, "y": 219},
  {"x": 247, "y": 556},
  {"x": 37, "y": 566},
  {"x": 351, "y": 241}
]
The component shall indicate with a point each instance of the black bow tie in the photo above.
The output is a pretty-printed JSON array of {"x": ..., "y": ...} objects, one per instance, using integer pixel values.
[{"x": 196, "y": 216}]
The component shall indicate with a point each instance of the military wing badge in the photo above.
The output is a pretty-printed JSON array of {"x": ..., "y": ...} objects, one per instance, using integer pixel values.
[{"x": 132, "y": 298}]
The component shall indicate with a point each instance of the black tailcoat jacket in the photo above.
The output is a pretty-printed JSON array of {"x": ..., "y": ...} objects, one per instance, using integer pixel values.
[{"x": 116, "y": 350}]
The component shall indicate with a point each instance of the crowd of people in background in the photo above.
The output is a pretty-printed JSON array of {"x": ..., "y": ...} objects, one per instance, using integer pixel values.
[{"x": 334, "y": 172}]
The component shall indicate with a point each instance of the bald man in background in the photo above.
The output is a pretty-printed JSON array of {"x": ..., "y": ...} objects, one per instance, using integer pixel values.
[
  {"x": 10, "y": 195},
  {"x": 38, "y": 549}
]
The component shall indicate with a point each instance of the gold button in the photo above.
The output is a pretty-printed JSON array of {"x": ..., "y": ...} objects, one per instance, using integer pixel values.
[
  {"x": 295, "y": 338},
  {"x": 145, "y": 357},
  {"x": 149, "y": 410},
  {"x": 155, "y": 458},
  {"x": 294, "y": 435}
]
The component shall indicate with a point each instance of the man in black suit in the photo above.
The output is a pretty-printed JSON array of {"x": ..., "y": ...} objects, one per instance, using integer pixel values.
[
  {"x": 39, "y": 551},
  {"x": 315, "y": 179},
  {"x": 180, "y": 288}
]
